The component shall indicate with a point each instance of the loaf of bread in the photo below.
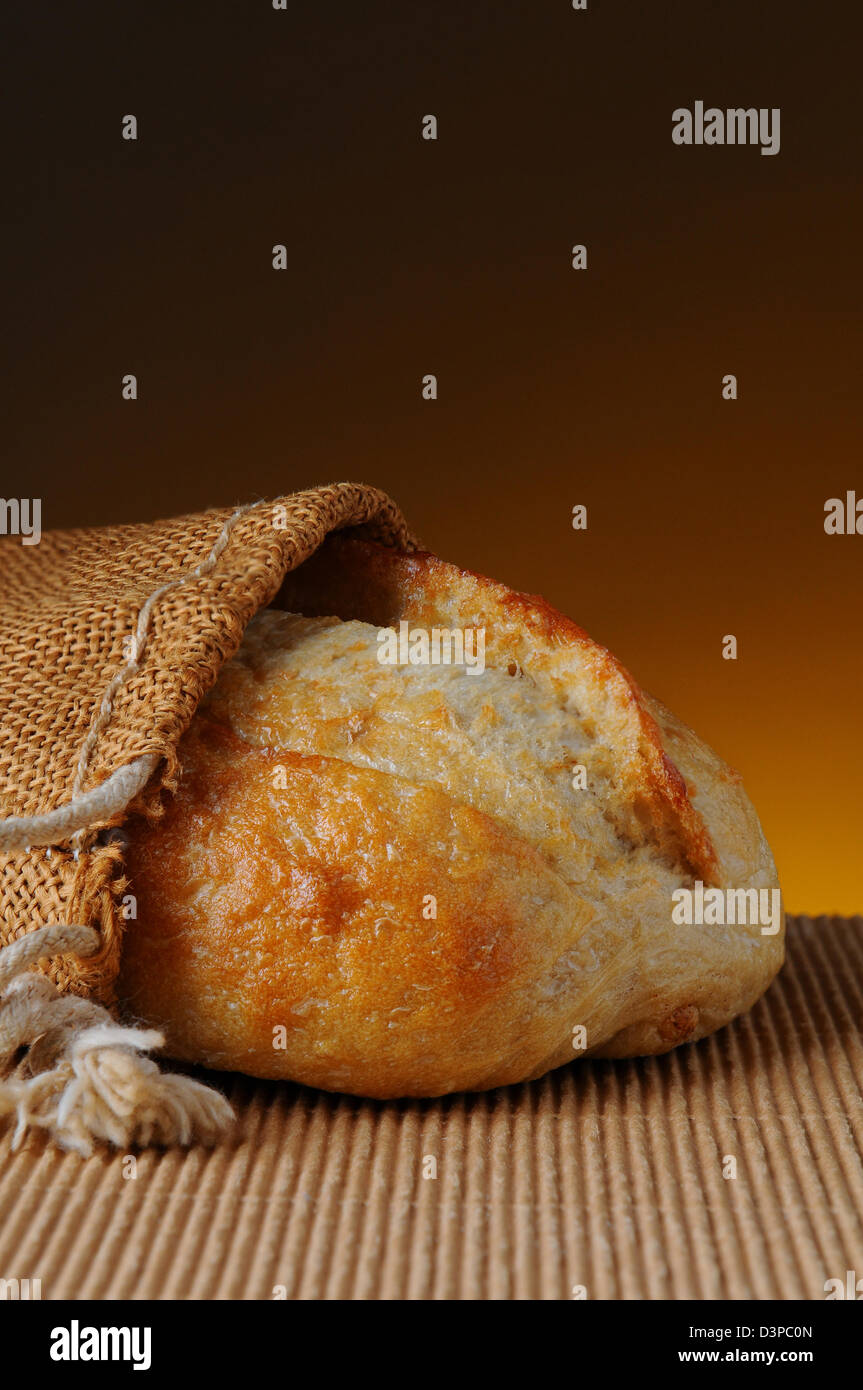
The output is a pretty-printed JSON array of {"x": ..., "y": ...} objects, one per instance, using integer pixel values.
[{"x": 410, "y": 879}]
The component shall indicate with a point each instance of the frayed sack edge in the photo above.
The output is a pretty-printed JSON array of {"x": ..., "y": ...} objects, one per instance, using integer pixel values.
[{"x": 83, "y": 1077}]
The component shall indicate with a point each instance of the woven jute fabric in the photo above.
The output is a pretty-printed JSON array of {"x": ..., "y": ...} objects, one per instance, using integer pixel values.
[{"x": 69, "y": 608}]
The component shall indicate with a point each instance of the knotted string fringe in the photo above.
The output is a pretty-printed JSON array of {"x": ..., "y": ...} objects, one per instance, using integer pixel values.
[{"x": 84, "y": 1077}]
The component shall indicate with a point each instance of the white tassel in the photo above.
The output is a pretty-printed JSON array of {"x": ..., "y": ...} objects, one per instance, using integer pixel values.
[{"x": 85, "y": 1078}]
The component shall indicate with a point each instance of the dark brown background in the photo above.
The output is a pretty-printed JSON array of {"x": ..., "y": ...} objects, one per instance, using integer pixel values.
[{"x": 406, "y": 257}]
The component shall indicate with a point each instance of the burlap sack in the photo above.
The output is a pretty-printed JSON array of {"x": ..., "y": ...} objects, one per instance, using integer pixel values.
[{"x": 109, "y": 638}]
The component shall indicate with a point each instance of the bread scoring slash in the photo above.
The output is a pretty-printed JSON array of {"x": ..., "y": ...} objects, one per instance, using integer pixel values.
[{"x": 410, "y": 879}]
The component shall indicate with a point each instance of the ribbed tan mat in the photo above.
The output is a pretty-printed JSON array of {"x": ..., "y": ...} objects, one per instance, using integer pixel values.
[{"x": 605, "y": 1175}]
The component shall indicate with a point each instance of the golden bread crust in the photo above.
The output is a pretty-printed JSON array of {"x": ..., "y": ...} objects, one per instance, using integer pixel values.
[{"x": 382, "y": 881}]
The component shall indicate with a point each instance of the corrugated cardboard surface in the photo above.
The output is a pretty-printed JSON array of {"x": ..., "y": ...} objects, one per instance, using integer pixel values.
[{"x": 606, "y": 1175}]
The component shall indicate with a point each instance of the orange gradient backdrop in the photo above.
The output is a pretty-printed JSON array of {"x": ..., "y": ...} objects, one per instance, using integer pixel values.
[{"x": 406, "y": 257}]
